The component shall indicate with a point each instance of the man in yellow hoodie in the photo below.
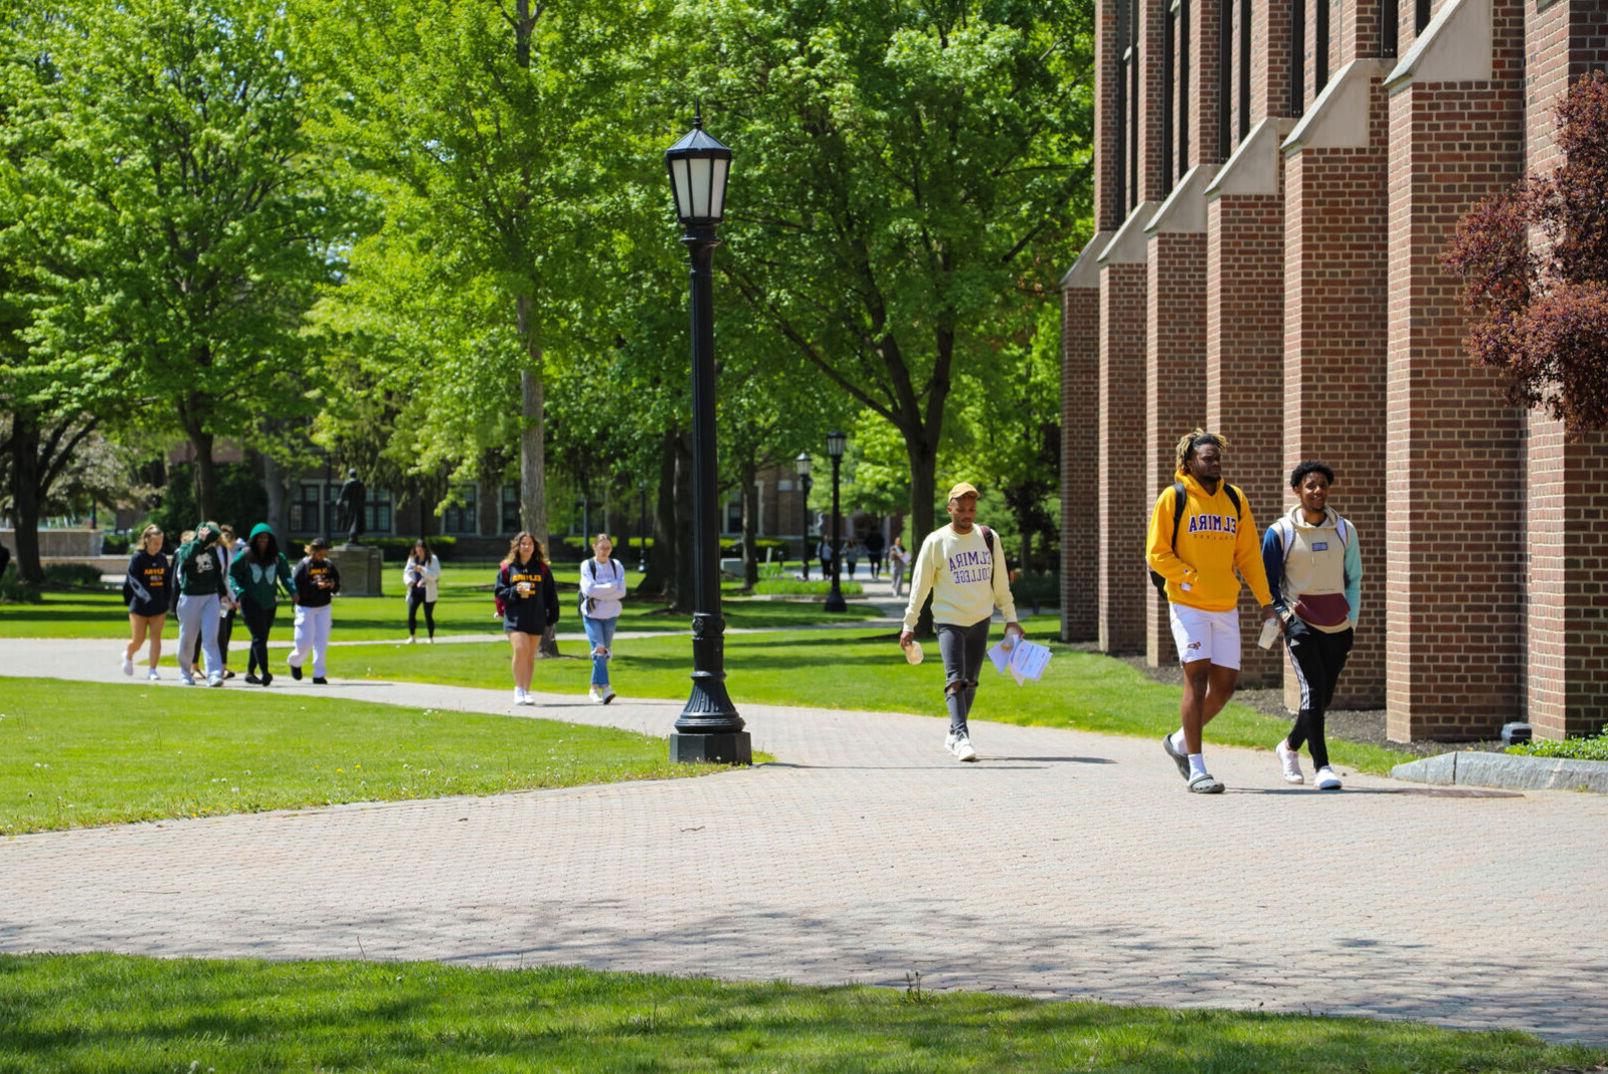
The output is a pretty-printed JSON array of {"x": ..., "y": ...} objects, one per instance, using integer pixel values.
[{"x": 1201, "y": 532}]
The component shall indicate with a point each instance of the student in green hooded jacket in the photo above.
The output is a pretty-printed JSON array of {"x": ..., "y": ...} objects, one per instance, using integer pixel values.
[{"x": 256, "y": 576}]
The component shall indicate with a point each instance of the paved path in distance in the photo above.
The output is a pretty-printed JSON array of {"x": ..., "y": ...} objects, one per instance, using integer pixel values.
[{"x": 1064, "y": 864}]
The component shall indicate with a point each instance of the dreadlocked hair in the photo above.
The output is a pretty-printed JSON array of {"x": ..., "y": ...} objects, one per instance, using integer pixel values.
[{"x": 1192, "y": 441}]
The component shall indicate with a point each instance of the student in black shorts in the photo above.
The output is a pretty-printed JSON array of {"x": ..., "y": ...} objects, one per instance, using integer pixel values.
[
  {"x": 530, "y": 605},
  {"x": 148, "y": 592}
]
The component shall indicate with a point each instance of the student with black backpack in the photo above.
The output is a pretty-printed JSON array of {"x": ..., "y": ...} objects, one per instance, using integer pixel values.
[
  {"x": 1201, "y": 533},
  {"x": 602, "y": 589}
]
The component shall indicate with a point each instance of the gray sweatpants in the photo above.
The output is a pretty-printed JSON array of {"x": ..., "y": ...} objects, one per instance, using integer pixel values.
[
  {"x": 199, "y": 614},
  {"x": 963, "y": 649}
]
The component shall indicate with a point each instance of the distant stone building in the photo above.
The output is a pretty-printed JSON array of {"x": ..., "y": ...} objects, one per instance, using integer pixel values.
[{"x": 1275, "y": 184}]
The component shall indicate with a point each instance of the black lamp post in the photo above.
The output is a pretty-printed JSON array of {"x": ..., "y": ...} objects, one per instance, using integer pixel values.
[
  {"x": 801, "y": 466},
  {"x": 835, "y": 442},
  {"x": 709, "y": 728}
]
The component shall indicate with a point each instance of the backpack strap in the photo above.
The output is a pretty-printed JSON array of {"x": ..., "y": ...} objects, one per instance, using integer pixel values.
[
  {"x": 1180, "y": 497},
  {"x": 993, "y": 554},
  {"x": 1342, "y": 529},
  {"x": 1286, "y": 533},
  {"x": 1234, "y": 498}
]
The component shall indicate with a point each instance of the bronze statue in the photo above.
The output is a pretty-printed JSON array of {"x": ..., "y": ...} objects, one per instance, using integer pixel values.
[{"x": 352, "y": 498}]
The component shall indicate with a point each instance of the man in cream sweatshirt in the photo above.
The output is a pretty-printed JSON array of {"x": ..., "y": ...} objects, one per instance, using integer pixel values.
[{"x": 962, "y": 567}]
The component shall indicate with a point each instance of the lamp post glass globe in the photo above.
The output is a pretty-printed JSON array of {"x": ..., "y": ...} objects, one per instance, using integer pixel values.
[
  {"x": 835, "y": 443},
  {"x": 801, "y": 465},
  {"x": 709, "y": 728}
]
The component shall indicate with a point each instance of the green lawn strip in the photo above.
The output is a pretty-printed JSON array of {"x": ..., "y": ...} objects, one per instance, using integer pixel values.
[
  {"x": 92, "y": 1013},
  {"x": 465, "y": 607},
  {"x": 862, "y": 669},
  {"x": 75, "y": 754}
]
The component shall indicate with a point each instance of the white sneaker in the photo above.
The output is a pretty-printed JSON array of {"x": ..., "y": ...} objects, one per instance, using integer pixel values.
[
  {"x": 961, "y": 747},
  {"x": 215, "y": 679},
  {"x": 608, "y": 695},
  {"x": 1291, "y": 762},
  {"x": 153, "y": 676},
  {"x": 519, "y": 696},
  {"x": 128, "y": 665},
  {"x": 188, "y": 680},
  {"x": 596, "y": 695},
  {"x": 1326, "y": 780},
  {"x": 412, "y": 640}
]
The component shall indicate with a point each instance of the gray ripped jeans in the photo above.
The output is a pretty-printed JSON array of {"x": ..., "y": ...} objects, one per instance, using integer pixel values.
[{"x": 963, "y": 649}]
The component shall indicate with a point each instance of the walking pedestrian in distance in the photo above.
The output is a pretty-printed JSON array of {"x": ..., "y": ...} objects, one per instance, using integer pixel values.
[
  {"x": 421, "y": 577},
  {"x": 1201, "y": 532},
  {"x": 851, "y": 554},
  {"x": 530, "y": 605},
  {"x": 825, "y": 553},
  {"x": 873, "y": 552},
  {"x": 317, "y": 583},
  {"x": 1315, "y": 566},
  {"x": 229, "y": 546},
  {"x": 148, "y": 593},
  {"x": 202, "y": 588},
  {"x": 961, "y": 566},
  {"x": 257, "y": 577},
  {"x": 602, "y": 589},
  {"x": 898, "y": 560}
]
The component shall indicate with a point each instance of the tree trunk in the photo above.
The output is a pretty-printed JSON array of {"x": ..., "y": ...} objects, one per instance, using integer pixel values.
[
  {"x": 684, "y": 594},
  {"x": 658, "y": 581},
  {"x": 206, "y": 475},
  {"x": 274, "y": 480},
  {"x": 750, "y": 494},
  {"x": 532, "y": 437},
  {"x": 923, "y": 481},
  {"x": 25, "y": 494}
]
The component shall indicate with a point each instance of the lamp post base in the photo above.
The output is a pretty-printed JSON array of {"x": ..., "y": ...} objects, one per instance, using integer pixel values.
[
  {"x": 836, "y": 603},
  {"x": 728, "y": 747}
]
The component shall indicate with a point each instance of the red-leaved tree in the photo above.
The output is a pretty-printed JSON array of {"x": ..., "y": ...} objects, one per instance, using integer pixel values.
[{"x": 1534, "y": 266}]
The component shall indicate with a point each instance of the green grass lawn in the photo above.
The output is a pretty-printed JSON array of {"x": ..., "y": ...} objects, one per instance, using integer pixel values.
[
  {"x": 859, "y": 669},
  {"x": 74, "y": 754},
  {"x": 95, "y": 1013},
  {"x": 465, "y": 607}
]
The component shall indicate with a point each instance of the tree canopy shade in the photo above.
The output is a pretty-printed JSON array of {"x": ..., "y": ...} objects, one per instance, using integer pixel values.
[
  {"x": 183, "y": 222},
  {"x": 1541, "y": 310},
  {"x": 905, "y": 173}
]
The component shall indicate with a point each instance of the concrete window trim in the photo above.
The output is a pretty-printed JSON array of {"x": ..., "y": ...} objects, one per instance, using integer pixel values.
[
  {"x": 1338, "y": 117},
  {"x": 1254, "y": 168},
  {"x": 1184, "y": 211},
  {"x": 1456, "y": 46},
  {"x": 1128, "y": 245},
  {"x": 1085, "y": 271}
]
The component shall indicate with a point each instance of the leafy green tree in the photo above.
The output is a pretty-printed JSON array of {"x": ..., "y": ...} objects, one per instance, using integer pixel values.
[
  {"x": 908, "y": 172},
  {"x": 195, "y": 222}
]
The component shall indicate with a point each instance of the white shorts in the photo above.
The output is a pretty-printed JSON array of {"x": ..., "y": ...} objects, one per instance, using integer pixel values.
[{"x": 1202, "y": 635}]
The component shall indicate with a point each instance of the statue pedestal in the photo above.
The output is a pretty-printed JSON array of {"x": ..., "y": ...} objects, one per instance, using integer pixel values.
[{"x": 361, "y": 569}]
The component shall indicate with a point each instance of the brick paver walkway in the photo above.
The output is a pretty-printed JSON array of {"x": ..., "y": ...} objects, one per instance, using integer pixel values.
[{"x": 1064, "y": 864}]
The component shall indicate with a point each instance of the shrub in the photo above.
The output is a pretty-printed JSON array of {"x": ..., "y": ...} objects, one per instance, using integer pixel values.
[
  {"x": 794, "y": 587},
  {"x": 116, "y": 544},
  {"x": 73, "y": 576},
  {"x": 392, "y": 549},
  {"x": 1041, "y": 586},
  {"x": 1576, "y": 749},
  {"x": 13, "y": 590}
]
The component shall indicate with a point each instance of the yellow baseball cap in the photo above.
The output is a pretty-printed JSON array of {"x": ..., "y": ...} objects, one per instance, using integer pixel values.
[{"x": 965, "y": 488}]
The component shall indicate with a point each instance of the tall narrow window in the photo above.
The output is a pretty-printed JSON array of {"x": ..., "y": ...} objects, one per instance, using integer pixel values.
[
  {"x": 1121, "y": 139},
  {"x": 1320, "y": 49},
  {"x": 1169, "y": 65},
  {"x": 1421, "y": 16},
  {"x": 1225, "y": 65},
  {"x": 1298, "y": 56},
  {"x": 1133, "y": 110},
  {"x": 1183, "y": 87},
  {"x": 1389, "y": 27},
  {"x": 1245, "y": 68}
]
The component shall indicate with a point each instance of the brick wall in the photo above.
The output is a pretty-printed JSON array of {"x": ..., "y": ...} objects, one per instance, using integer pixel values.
[
  {"x": 1204, "y": 45},
  {"x": 1454, "y": 449},
  {"x": 1245, "y": 372},
  {"x": 1124, "y": 504},
  {"x": 1334, "y": 358},
  {"x": 1107, "y": 137},
  {"x": 1080, "y": 446},
  {"x": 1567, "y": 539},
  {"x": 1270, "y": 59},
  {"x": 1153, "y": 89},
  {"x": 1175, "y": 385}
]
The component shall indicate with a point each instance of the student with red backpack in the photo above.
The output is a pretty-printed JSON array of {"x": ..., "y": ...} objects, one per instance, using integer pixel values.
[
  {"x": 959, "y": 564},
  {"x": 1201, "y": 533}
]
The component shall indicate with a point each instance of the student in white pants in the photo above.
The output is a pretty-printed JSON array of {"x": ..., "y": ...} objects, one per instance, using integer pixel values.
[{"x": 316, "y": 582}]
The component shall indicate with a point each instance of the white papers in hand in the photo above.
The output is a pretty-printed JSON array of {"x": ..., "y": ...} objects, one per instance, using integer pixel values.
[
  {"x": 1028, "y": 661},
  {"x": 1001, "y": 653}
]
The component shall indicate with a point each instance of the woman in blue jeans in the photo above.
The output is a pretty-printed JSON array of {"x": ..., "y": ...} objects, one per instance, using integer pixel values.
[{"x": 602, "y": 589}]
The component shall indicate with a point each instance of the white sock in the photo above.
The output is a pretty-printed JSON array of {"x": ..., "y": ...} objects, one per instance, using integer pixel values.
[
  {"x": 1197, "y": 765},
  {"x": 1178, "y": 740}
]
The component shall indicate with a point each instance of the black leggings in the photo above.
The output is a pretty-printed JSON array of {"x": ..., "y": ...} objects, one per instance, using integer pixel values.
[
  {"x": 259, "y": 620},
  {"x": 1318, "y": 659},
  {"x": 416, "y": 598}
]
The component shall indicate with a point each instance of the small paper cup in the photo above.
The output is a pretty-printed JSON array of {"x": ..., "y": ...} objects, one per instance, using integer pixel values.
[{"x": 913, "y": 653}]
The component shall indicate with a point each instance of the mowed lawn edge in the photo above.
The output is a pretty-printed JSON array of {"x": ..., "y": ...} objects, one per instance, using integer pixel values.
[
  {"x": 76, "y": 754},
  {"x": 62, "y": 1013},
  {"x": 862, "y": 669}
]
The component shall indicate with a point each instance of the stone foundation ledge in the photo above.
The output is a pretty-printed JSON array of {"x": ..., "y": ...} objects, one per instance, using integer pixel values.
[{"x": 1477, "y": 769}]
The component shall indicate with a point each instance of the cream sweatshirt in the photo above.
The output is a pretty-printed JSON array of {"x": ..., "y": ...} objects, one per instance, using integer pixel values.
[{"x": 965, "y": 582}]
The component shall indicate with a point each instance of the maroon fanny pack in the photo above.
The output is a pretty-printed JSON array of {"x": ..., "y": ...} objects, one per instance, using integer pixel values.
[{"x": 1323, "y": 609}]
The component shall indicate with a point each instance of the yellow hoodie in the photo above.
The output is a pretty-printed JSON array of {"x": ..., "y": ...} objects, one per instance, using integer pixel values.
[{"x": 1212, "y": 542}]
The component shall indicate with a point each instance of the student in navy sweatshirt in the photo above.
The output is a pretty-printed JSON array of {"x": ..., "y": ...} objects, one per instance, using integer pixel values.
[
  {"x": 317, "y": 582},
  {"x": 148, "y": 592},
  {"x": 530, "y": 605}
]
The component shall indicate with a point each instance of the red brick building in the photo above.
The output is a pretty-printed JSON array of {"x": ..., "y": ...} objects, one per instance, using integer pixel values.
[{"x": 1275, "y": 182}]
